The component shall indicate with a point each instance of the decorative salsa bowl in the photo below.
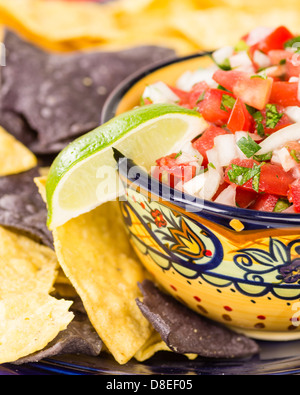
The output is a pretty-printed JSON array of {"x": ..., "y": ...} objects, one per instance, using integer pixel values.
[{"x": 236, "y": 266}]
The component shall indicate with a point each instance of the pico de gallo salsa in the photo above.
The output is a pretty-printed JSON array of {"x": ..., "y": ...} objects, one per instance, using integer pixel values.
[{"x": 249, "y": 154}]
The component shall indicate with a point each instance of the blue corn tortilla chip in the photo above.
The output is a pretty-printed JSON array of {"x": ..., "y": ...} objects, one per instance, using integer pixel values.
[
  {"x": 186, "y": 332},
  {"x": 22, "y": 208},
  {"x": 54, "y": 98}
]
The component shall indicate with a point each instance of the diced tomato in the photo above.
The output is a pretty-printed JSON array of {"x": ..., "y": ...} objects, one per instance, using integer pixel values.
[
  {"x": 197, "y": 94},
  {"x": 206, "y": 142},
  {"x": 245, "y": 198},
  {"x": 282, "y": 123},
  {"x": 273, "y": 179},
  {"x": 252, "y": 91},
  {"x": 277, "y": 55},
  {"x": 168, "y": 170},
  {"x": 265, "y": 202},
  {"x": 184, "y": 96},
  {"x": 275, "y": 40},
  {"x": 211, "y": 107},
  {"x": 285, "y": 93},
  {"x": 240, "y": 119},
  {"x": 294, "y": 195},
  {"x": 293, "y": 67}
]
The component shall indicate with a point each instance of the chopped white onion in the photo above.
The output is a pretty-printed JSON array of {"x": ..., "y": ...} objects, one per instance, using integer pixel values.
[
  {"x": 159, "y": 92},
  {"x": 294, "y": 79},
  {"x": 211, "y": 184},
  {"x": 190, "y": 78},
  {"x": 194, "y": 186},
  {"x": 228, "y": 196},
  {"x": 283, "y": 157},
  {"x": 188, "y": 148},
  {"x": 213, "y": 157},
  {"x": 280, "y": 138},
  {"x": 242, "y": 61},
  {"x": 258, "y": 34},
  {"x": 222, "y": 54},
  {"x": 226, "y": 148},
  {"x": 261, "y": 59},
  {"x": 293, "y": 112}
]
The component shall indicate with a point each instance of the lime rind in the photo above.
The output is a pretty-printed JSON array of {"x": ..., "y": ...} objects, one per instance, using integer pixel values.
[{"x": 102, "y": 138}]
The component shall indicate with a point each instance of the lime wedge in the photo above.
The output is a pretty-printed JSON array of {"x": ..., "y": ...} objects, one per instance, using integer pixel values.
[{"x": 84, "y": 175}]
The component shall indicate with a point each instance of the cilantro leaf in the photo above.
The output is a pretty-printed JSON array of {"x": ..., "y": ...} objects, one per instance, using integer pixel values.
[
  {"x": 178, "y": 155},
  {"x": 293, "y": 43},
  {"x": 239, "y": 175},
  {"x": 201, "y": 97},
  {"x": 272, "y": 116},
  {"x": 258, "y": 118},
  {"x": 227, "y": 101},
  {"x": 248, "y": 146},
  {"x": 264, "y": 157}
]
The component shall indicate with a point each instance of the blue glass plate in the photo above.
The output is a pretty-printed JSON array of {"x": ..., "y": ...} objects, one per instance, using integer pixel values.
[{"x": 276, "y": 358}]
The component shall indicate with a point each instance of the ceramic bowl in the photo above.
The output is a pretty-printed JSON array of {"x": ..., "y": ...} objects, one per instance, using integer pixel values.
[{"x": 235, "y": 266}]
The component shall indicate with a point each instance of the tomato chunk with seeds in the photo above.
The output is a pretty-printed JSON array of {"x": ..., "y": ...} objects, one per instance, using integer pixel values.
[
  {"x": 285, "y": 93},
  {"x": 252, "y": 91},
  {"x": 212, "y": 107},
  {"x": 240, "y": 119},
  {"x": 275, "y": 40}
]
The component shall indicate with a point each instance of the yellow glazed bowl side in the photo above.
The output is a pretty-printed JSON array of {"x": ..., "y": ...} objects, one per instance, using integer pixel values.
[{"x": 246, "y": 279}]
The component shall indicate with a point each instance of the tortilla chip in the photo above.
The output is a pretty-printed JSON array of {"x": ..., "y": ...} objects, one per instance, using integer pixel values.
[
  {"x": 14, "y": 156},
  {"x": 25, "y": 265},
  {"x": 22, "y": 208},
  {"x": 153, "y": 345},
  {"x": 78, "y": 338},
  {"x": 29, "y": 317},
  {"x": 186, "y": 332},
  {"x": 94, "y": 252},
  {"x": 29, "y": 321},
  {"x": 61, "y": 96}
]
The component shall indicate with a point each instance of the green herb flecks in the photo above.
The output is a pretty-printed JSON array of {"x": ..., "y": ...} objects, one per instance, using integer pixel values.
[
  {"x": 201, "y": 97},
  {"x": 239, "y": 175},
  {"x": 178, "y": 155},
  {"x": 241, "y": 46},
  {"x": 295, "y": 155},
  {"x": 263, "y": 158},
  {"x": 272, "y": 116},
  {"x": 248, "y": 146},
  {"x": 258, "y": 118},
  {"x": 293, "y": 43},
  {"x": 227, "y": 102},
  {"x": 281, "y": 205}
]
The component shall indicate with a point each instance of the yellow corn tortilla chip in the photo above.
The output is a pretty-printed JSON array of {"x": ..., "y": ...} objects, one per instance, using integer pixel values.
[
  {"x": 28, "y": 322},
  {"x": 25, "y": 265},
  {"x": 94, "y": 252},
  {"x": 29, "y": 317},
  {"x": 186, "y": 26},
  {"x": 153, "y": 345},
  {"x": 14, "y": 156}
]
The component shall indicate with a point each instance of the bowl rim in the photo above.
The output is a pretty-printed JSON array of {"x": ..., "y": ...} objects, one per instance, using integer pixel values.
[{"x": 108, "y": 112}]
